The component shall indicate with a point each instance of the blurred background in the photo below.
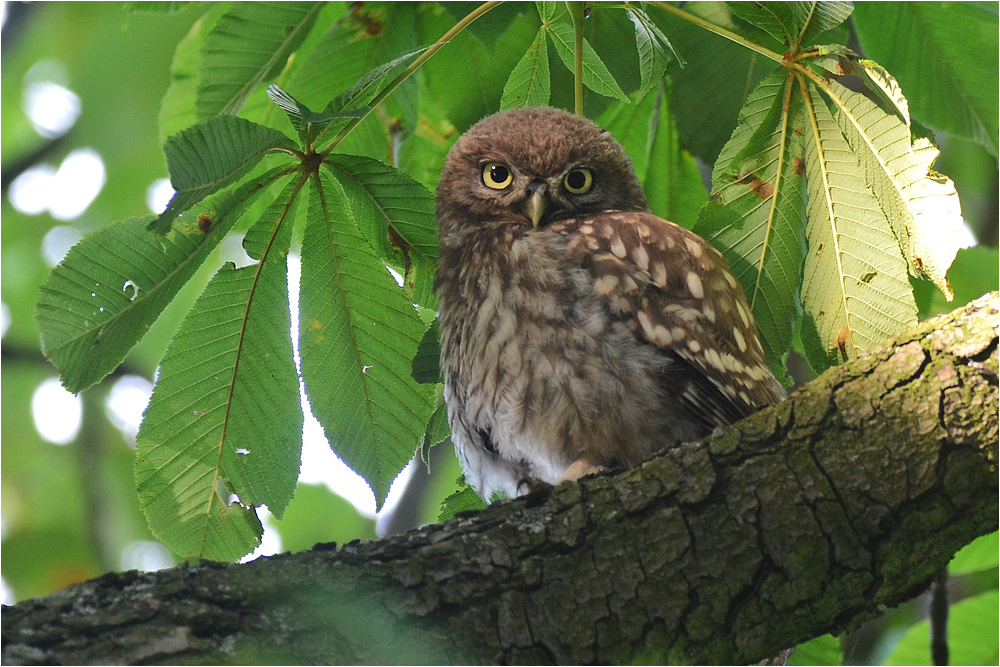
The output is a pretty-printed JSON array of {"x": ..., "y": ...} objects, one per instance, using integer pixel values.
[{"x": 81, "y": 91}]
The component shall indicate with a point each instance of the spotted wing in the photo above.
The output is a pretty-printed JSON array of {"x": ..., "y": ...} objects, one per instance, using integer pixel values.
[{"x": 677, "y": 293}]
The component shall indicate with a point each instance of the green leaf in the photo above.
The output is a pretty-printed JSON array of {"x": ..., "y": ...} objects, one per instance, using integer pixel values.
[
  {"x": 209, "y": 156},
  {"x": 854, "y": 287},
  {"x": 369, "y": 85},
  {"x": 945, "y": 55},
  {"x": 437, "y": 432},
  {"x": 396, "y": 216},
  {"x": 720, "y": 76},
  {"x": 316, "y": 515},
  {"x": 111, "y": 286},
  {"x": 595, "y": 74},
  {"x": 178, "y": 110},
  {"x": 353, "y": 58},
  {"x": 463, "y": 500},
  {"x": 546, "y": 11},
  {"x": 672, "y": 182},
  {"x": 249, "y": 45},
  {"x": 427, "y": 361},
  {"x": 777, "y": 19},
  {"x": 818, "y": 17},
  {"x": 793, "y": 24},
  {"x": 972, "y": 635},
  {"x": 755, "y": 218},
  {"x": 529, "y": 85},
  {"x": 649, "y": 42},
  {"x": 225, "y": 417},
  {"x": 358, "y": 335},
  {"x": 980, "y": 554},
  {"x": 823, "y": 650},
  {"x": 309, "y": 124},
  {"x": 921, "y": 205}
]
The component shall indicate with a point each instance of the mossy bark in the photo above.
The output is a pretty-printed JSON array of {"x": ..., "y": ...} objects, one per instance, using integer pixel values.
[{"x": 805, "y": 518}]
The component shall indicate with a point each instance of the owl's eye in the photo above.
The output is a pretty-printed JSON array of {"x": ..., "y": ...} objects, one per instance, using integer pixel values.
[
  {"x": 579, "y": 181},
  {"x": 496, "y": 175}
]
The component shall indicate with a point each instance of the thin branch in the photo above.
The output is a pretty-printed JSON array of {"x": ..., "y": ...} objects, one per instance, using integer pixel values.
[
  {"x": 576, "y": 13},
  {"x": 720, "y": 31}
]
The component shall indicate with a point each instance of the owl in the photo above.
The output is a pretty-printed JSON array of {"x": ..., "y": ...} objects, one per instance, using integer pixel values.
[{"x": 578, "y": 330}]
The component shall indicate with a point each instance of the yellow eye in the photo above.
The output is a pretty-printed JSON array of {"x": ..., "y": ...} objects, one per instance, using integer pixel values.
[
  {"x": 579, "y": 181},
  {"x": 496, "y": 175}
]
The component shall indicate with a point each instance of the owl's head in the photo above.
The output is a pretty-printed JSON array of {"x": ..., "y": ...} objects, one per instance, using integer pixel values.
[{"x": 531, "y": 167}]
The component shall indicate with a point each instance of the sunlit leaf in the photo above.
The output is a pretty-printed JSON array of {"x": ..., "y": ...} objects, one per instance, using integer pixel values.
[
  {"x": 110, "y": 288},
  {"x": 248, "y": 46},
  {"x": 529, "y": 85},
  {"x": 757, "y": 213},
  {"x": 396, "y": 215},
  {"x": 224, "y": 418},
  {"x": 921, "y": 205},
  {"x": 595, "y": 73},
  {"x": 209, "y": 156},
  {"x": 358, "y": 335},
  {"x": 944, "y": 54},
  {"x": 854, "y": 287}
]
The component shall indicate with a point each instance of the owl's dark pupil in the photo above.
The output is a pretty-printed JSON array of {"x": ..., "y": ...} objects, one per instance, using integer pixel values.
[
  {"x": 576, "y": 180},
  {"x": 499, "y": 173}
]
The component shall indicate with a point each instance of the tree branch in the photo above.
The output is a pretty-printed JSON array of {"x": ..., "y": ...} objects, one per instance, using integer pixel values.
[{"x": 805, "y": 518}]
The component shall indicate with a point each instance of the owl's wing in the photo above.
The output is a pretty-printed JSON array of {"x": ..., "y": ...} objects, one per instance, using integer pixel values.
[{"x": 676, "y": 292}]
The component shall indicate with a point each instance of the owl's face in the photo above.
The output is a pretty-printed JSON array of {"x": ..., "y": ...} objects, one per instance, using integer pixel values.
[{"x": 530, "y": 167}]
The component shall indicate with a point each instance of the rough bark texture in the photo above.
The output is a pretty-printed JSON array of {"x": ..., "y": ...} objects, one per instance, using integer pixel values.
[{"x": 804, "y": 519}]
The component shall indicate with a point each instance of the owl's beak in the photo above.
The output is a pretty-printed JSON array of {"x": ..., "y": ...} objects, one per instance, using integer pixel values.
[{"x": 536, "y": 205}]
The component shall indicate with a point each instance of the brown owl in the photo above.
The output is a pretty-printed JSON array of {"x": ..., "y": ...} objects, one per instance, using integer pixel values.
[{"x": 578, "y": 330}]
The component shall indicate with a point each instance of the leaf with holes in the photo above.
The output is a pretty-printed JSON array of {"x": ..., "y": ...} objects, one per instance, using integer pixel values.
[
  {"x": 223, "y": 430},
  {"x": 921, "y": 205},
  {"x": 756, "y": 217},
  {"x": 209, "y": 156},
  {"x": 396, "y": 216},
  {"x": 111, "y": 286},
  {"x": 855, "y": 291},
  {"x": 358, "y": 335}
]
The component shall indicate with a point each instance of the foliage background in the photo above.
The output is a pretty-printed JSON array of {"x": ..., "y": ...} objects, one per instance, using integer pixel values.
[{"x": 70, "y": 512}]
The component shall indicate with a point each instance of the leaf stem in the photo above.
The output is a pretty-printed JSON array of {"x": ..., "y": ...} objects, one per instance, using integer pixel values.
[
  {"x": 576, "y": 13},
  {"x": 413, "y": 67},
  {"x": 719, "y": 30}
]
